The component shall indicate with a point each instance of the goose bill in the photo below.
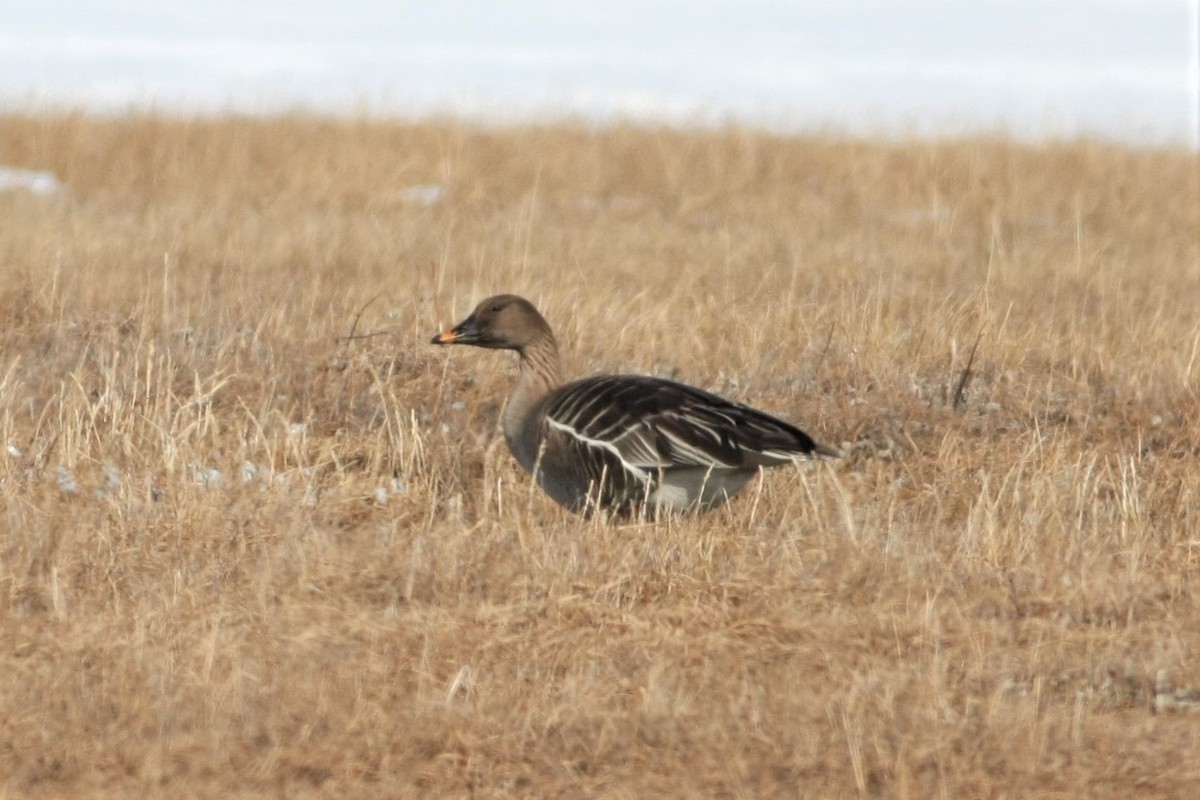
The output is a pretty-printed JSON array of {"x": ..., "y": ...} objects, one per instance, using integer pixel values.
[{"x": 465, "y": 332}]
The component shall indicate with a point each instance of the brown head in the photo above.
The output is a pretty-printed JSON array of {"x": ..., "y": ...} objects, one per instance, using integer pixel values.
[{"x": 505, "y": 321}]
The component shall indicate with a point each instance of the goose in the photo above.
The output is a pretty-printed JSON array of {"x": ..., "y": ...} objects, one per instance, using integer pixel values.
[{"x": 622, "y": 443}]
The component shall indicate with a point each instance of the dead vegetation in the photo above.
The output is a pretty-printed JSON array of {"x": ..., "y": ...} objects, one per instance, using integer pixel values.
[{"x": 246, "y": 550}]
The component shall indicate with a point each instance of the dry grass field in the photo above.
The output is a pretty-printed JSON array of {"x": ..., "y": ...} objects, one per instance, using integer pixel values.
[{"x": 257, "y": 537}]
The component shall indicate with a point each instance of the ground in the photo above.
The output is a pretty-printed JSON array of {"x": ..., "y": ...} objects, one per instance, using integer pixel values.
[{"x": 259, "y": 538}]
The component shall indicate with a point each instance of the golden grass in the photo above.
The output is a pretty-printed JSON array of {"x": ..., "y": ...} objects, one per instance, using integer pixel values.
[{"x": 241, "y": 555}]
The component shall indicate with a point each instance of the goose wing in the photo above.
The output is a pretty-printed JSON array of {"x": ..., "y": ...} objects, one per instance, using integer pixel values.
[{"x": 642, "y": 425}]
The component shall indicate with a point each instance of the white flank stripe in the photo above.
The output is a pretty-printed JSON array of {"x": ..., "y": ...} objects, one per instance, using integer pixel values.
[{"x": 639, "y": 473}]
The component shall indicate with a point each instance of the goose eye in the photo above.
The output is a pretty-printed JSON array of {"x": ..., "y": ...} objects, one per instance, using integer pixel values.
[{"x": 496, "y": 308}]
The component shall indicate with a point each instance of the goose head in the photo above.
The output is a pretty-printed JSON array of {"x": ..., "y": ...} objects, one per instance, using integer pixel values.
[{"x": 505, "y": 322}]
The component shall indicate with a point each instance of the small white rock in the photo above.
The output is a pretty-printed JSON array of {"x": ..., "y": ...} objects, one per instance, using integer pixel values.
[
  {"x": 207, "y": 478},
  {"x": 112, "y": 480},
  {"x": 66, "y": 481}
]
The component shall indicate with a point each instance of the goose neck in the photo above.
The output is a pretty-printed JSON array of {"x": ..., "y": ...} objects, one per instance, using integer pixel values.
[
  {"x": 539, "y": 375},
  {"x": 540, "y": 364}
]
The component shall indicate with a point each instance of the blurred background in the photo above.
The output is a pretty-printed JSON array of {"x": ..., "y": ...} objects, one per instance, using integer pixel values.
[{"x": 1120, "y": 69}]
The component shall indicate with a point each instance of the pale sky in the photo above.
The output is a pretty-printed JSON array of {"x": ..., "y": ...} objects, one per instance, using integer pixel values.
[{"x": 1119, "y": 68}]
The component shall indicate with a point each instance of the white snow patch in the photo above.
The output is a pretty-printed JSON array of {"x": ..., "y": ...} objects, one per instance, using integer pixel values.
[
  {"x": 40, "y": 182},
  {"x": 424, "y": 194}
]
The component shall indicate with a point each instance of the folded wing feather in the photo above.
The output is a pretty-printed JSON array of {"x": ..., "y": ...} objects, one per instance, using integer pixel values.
[{"x": 652, "y": 424}]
